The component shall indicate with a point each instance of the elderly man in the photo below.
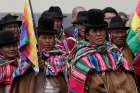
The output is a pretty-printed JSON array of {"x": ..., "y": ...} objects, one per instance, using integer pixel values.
[
  {"x": 99, "y": 67},
  {"x": 118, "y": 33}
]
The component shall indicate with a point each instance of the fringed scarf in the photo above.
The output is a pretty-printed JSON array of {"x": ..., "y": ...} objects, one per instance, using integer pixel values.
[{"x": 97, "y": 58}]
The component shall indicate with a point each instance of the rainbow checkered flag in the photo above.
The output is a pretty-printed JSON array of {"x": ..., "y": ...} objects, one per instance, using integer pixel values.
[
  {"x": 28, "y": 42},
  {"x": 133, "y": 39}
]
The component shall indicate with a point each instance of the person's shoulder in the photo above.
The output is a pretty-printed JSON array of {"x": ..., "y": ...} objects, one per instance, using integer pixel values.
[
  {"x": 69, "y": 31},
  {"x": 114, "y": 51}
]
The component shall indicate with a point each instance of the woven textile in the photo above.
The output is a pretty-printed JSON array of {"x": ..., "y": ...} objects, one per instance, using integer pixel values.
[{"x": 96, "y": 58}]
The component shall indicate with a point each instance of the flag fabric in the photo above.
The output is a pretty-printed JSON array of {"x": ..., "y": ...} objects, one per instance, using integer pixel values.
[
  {"x": 133, "y": 38},
  {"x": 28, "y": 42}
]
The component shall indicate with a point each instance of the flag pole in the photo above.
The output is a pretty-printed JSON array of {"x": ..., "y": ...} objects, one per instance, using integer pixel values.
[
  {"x": 36, "y": 34},
  {"x": 34, "y": 25}
]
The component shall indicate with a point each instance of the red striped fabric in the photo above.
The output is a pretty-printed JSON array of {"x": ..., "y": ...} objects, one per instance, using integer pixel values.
[
  {"x": 138, "y": 9},
  {"x": 6, "y": 72}
]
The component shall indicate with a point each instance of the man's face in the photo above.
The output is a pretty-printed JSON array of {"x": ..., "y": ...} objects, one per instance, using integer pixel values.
[
  {"x": 109, "y": 16},
  {"x": 118, "y": 37},
  {"x": 58, "y": 24},
  {"x": 9, "y": 51},
  {"x": 81, "y": 30},
  {"x": 47, "y": 42},
  {"x": 96, "y": 36}
]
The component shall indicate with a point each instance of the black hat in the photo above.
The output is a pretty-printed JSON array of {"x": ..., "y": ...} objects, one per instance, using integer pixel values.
[
  {"x": 81, "y": 18},
  {"x": 7, "y": 37},
  {"x": 57, "y": 10},
  {"x": 50, "y": 15},
  {"x": 117, "y": 23},
  {"x": 46, "y": 24},
  {"x": 9, "y": 18},
  {"x": 95, "y": 19}
]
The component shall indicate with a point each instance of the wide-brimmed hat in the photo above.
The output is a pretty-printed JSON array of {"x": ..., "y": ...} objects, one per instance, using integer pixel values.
[
  {"x": 117, "y": 23},
  {"x": 81, "y": 18},
  {"x": 95, "y": 19},
  {"x": 57, "y": 12},
  {"x": 7, "y": 37},
  {"x": 9, "y": 18},
  {"x": 46, "y": 25},
  {"x": 51, "y": 15}
]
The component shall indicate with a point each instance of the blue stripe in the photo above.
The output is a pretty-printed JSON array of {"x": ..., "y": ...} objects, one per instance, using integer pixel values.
[
  {"x": 94, "y": 62},
  {"x": 23, "y": 41}
]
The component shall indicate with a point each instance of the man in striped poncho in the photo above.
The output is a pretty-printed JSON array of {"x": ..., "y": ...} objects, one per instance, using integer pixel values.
[
  {"x": 10, "y": 63},
  {"x": 50, "y": 78},
  {"x": 99, "y": 67}
]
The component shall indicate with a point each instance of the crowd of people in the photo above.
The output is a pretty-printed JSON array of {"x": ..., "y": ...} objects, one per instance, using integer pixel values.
[{"x": 90, "y": 56}]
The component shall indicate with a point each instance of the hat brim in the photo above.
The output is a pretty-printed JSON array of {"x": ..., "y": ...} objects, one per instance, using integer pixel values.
[
  {"x": 13, "y": 41},
  {"x": 104, "y": 25},
  {"x": 121, "y": 28},
  {"x": 11, "y": 21}
]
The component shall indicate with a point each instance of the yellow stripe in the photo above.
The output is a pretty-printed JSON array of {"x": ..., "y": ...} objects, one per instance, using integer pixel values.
[
  {"x": 135, "y": 23},
  {"x": 32, "y": 56}
]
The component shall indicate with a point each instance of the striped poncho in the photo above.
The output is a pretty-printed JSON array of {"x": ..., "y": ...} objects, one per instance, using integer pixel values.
[
  {"x": 10, "y": 69},
  {"x": 96, "y": 58},
  {"x": 6, "y": 71},
  {"x": 54, "y": 62}
]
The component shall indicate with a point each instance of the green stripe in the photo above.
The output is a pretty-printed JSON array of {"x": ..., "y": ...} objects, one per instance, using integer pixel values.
[
  {"x": 82, "y": 67},
  {"x": 131, "y": 34},
  {"x": 107, "y": 61},
  {"x": 83, "y": 52},
  {"x": 133, "y": 41},
  {"x": 1, "y": 61}
]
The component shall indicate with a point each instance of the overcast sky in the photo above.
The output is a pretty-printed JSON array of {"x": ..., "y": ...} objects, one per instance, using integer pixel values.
[{"x": 127, "y": 6}]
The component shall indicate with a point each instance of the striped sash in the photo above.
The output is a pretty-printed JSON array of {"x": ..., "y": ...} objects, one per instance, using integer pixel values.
[{"x": 87, "y": 59}]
